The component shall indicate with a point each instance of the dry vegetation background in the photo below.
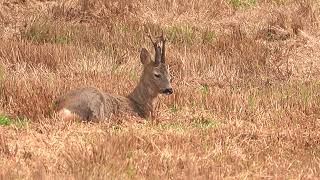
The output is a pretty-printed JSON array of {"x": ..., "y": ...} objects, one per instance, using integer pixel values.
[{"x": 246, "y": 79}]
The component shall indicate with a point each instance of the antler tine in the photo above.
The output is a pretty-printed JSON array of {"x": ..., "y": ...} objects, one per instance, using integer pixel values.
[
  {"x": 162, "y": 36},
  {"x": 153, "y": 42},
  {"x": 158, "y": 56},
  {"x": 163, "y": 54}
]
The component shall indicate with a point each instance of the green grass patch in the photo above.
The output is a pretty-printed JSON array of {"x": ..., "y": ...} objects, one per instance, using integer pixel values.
[
  {"x": 189, "y": 34},
  {"x": 18, "y": 122},
  {"x": 174, "y": 108},
  {"x": 5, "y": 121},
  {"x": 243, "y": 4},
  {"x": 181, "y": 34},
  {"x": 1, "y": 74},
  {"x": 116, "y": 128},
  {"x": 205, "y": 90},
  {"x": 199, "y": 122},
  {"x": 62, "y": 39},
  {"x": 130, "y": 171},
  {"x": 305, "y": 94},
  {"x": 252, "y": 101},
  {"x": 174, "y": 126},
  {"x": 48, "y": 32},
  {"x": 283, "y": 2},
  {"x": 134, "y": 75},
  {"x": 205, "y": 123},
  {"x": 44, "y": 31},
  {"x": 208, "y": 36}
]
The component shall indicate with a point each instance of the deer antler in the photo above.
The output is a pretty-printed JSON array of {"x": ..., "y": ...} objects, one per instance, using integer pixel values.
[
  {"x": 153, "y": 42},
  {"x": 157, "y": 48},
  {"x": 163, "y": 54}
]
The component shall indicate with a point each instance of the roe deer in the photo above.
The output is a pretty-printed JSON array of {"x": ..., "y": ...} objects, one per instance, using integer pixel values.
[{"x": 91, "y": 104}]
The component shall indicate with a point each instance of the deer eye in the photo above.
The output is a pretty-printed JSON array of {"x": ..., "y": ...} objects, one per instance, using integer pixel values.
[{"x": 157, "y": 75}]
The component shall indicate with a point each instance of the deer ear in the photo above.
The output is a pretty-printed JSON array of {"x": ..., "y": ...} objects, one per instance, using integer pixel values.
[{"x": 145, "y": 56}]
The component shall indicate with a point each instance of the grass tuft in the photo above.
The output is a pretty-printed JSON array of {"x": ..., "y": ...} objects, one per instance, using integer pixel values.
[
  {"x": 241, "y": 4},
  {"x": 5, "y": 121},
  {"x": 181, "y": 34},
  {"x": 205, "y": 123}
]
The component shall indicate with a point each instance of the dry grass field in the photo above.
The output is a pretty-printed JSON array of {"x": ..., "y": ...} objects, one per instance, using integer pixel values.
[{"x": 246, "y": 102}]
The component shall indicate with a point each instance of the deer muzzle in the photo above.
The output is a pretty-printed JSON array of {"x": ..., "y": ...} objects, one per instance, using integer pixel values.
[{"x": 167, "y": 91}]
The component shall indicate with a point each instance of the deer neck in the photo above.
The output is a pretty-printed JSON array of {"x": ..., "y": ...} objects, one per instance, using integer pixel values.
[{"x": 142, "y": 98}]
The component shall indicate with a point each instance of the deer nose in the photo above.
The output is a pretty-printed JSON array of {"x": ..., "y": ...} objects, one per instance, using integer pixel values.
[{"x": 168, "y": 91}]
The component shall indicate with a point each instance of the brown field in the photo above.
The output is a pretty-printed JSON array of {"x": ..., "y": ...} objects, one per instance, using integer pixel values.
[{"x": 246, "y": 78}]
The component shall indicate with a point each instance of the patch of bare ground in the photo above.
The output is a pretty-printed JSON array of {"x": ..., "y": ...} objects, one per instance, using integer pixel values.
[{"x": 246, "y": 90}]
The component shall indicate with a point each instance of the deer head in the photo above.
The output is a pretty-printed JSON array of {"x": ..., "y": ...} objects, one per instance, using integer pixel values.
[{"x": 156, "y": 74}]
